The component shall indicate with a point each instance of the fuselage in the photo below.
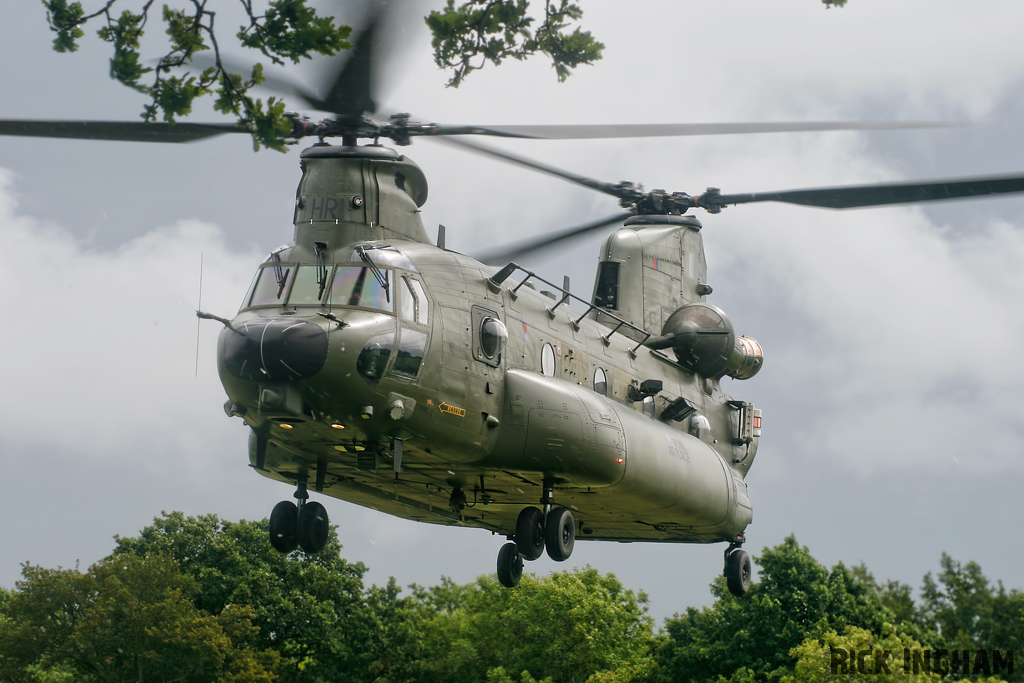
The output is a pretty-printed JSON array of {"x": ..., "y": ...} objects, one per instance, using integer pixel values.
[{"x": 489, "y": 390}]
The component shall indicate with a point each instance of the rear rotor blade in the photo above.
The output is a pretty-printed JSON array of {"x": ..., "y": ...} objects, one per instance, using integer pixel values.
[
  {"x": 857, "y": 196},
  {"x": 517, "y": 251},
  {"x": 644, "y": 130},
  {"x": 131, "y": 131}
]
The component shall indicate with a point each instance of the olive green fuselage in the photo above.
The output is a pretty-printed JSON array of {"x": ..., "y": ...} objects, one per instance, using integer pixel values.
[{"x": 376, "y": 367}]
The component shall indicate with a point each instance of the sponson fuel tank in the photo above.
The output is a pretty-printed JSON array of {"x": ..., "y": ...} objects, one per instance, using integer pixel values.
[{"x": 574, "y": 435}]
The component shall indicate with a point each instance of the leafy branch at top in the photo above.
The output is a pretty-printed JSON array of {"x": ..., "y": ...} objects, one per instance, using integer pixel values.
[
  {"x": 480, "y": 31},
  {"x": 287, "y": 30}
]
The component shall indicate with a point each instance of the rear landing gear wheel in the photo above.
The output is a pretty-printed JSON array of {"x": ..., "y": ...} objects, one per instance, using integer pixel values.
[
  {"x": 313, "y": 527},
  {"x": 560, "y": 534},
  {"x": 530, "y": 533},
  {"x": 737, "y": 572},
  {"x": 510, "y": 565},
  {"x": 284, "y": 527}
]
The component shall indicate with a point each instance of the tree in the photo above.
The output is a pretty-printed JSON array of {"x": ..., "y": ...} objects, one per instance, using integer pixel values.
[
  {"x": 750, "y": 638},
  {"x": 491, "y": 30},
  {"x": 126, "y": 619},
  {"x": 859, "y": 655},
  {"x": 568, "y": 627},
  {"x": 967, "y": 614},
  {"x": 466, "y": 37},
  {"x": 488, "y": 31},
  {"x": 312, "y": 609}
]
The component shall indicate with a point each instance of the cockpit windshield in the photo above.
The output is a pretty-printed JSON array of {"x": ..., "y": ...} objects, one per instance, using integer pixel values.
[
  {"x": 366, "y": 286},
  {"x": 368, "y": 281},
  {"x": 358, "y": 286}
]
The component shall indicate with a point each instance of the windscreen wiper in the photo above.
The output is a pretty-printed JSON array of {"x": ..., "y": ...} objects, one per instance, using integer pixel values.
[
  {"x": 321, "y": 268},
  {"x": 380, "y": 276},
  {"x": 279, "y": 274}
]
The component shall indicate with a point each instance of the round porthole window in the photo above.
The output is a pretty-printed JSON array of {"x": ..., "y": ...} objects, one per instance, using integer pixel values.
[
  {"x": 547, "y": 361},
  {"x": 493, "y": 336}
]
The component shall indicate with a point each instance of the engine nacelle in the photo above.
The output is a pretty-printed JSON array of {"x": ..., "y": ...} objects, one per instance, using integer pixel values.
[
  {"x": 747, "y": 358},
  {"x": 703, "y": 339}
]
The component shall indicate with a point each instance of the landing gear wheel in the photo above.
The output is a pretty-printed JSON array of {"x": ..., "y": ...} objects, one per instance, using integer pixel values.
[
  {"x": 530, "y": 533},
  {"x": 560, "y": 534},
  {"x": 313, "y": 527},
  {"x": 737, "y": 572},
  {"x": 510, "y": 565},
  {"x": 284, "y": 527}
]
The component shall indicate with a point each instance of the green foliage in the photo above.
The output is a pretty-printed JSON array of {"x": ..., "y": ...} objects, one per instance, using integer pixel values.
[
  {"x": 796, "y": 598},
  {"x": 814, "y": 657},
  {"x": 465, "y": 38},
  {"x": 197, "y": 599},
  {"x": 480, "y": 31},
  {"x": 311, "y": 609},
  {"x": 64, "y": 21},
  {"x": 568, "y": 627},
  {"x": 126, "y": 619},
  {"x": 964, "y": 612},
  {"x": 289, "y": 29}
]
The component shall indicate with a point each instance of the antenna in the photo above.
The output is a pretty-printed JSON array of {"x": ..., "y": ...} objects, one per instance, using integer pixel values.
[{"x": 199, "y": 308}]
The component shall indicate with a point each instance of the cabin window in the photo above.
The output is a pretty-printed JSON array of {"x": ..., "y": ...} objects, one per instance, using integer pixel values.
[
  {"x": 606, "y": 294},
  {"x": 700, "y": 427},
  {"x": 600, "y": 382},
  {"x": 493, "y": 336},
  {"x": 547, "y": 361},
  {"x": 362, "y": 286},
  {"x": 271, "y": 286}
]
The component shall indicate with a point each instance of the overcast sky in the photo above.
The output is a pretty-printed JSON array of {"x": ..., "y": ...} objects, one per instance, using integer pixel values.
[{"x": 893, "y": 428}]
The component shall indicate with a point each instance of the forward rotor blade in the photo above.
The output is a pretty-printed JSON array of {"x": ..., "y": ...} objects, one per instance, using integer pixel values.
[
  {"x": 857, "y": 196},
  {"x": 600, "y": 186},
  {"x": 645, "y": 130},
  {"x": 131, "y": 131},
  {"x": 517, "y": 251},
  {"x": 350, "y": 95}
]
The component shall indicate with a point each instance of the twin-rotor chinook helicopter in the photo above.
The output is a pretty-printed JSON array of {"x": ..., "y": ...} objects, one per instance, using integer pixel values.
[{"x": 374, "y": 365}]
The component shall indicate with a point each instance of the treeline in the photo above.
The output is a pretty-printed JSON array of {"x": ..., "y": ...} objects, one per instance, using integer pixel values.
[{"x": 197, "y": 599}]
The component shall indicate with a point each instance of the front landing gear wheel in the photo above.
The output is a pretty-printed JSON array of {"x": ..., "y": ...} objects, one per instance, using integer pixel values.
[
  {"x": 284, "y": 527},
  {"x": 530, "y": 533},
  {"x": 510, "y": 565},
  {"x": 560, "y": 534},
  {"x": 313, "y": 527},
  {"x": 737, "y": 572}
]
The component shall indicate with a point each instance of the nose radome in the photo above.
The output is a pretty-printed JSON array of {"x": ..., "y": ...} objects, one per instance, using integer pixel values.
[{"x": 278, "y": 350}]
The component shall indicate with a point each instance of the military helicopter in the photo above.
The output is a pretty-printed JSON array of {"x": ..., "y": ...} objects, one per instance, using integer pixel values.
[{"x": 374, "y": 365}]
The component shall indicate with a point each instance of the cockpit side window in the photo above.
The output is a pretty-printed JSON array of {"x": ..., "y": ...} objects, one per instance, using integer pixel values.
[
  {"x": 406, "y": 301},
  {"x": 422, "y": 304}
]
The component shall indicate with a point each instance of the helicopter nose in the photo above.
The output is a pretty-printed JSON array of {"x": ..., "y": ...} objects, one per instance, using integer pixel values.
[{"x": 278, "y": 350}]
